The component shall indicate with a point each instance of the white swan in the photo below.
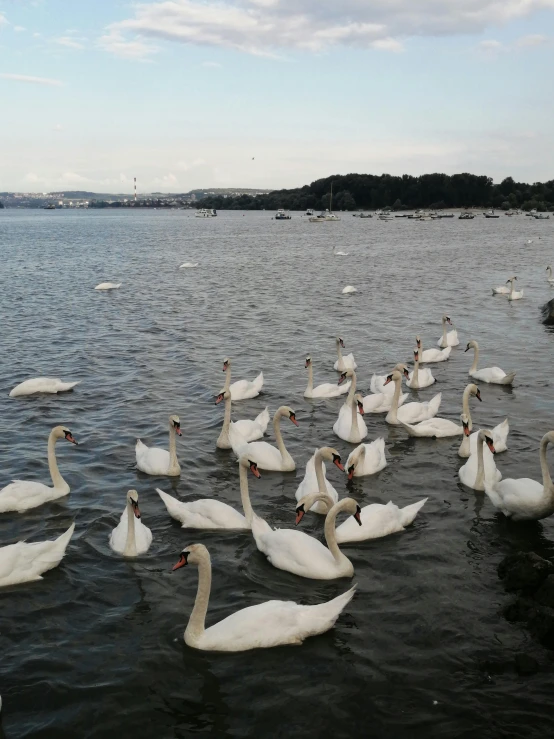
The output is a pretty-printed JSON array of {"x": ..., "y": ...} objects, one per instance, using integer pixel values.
[
  {"x": 315, "y": 479},
  {"x": 209, "y": 513},
  {"x": 340, "y": 253},
  {"x": 437, "y": 428},
  {"x": 325, "y": 390},
  {"x": 478, "y": 468},
  {"x": 156, "y": 461},
  {"x": 266, "y": 456},
  {"x": 378, "y": 520},
  {"x": 366, "y": 459},
  {"x": 450, "y": 338},
  {"x": 23, "y": 562},
  {"x": 42, "y": 385},
  {"x": 269, "y": 624},
  {"x": 524, "y": 499},
  {"x": 21, "y": 495},
  {"x": 108, "y": 286},
  {"x": 346, "y": 362},
  {"x": 419, "y": 378},
  {"x": 493, "y": 375},
  {"x": 409, "y": 412},
  {"x": 188, "y": 265},
  {"x": 349, "y": 289},
  {"x": 296, "y": 552},
  {"x": 131, "y": 537},
  {"x": 549, "y": 278},
  {"x": 378, "y": 383},
  {"x": 249, "y": 430},
  {"x": 502, "y": 290},
  {"x": 381, "y": 402},
  {"x": 242, "y": 389},
  {"x": 429, "y": 356},
  {"x": 350, "y": 426},
  {"x": 514, "y": 294}
]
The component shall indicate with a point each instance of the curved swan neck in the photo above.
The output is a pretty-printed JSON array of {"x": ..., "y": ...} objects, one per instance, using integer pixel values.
[
  {"x": 278, "y": 435},
  {"x": 465, "y": 404},
  {"x": 320, "y": 477},
  {"x": 130, "y": 544},
  {"x": 245, "y": 495},
  {"x": 352, "y": 391},
  {"x": 330, "y": 529},
  {"x": 196, "y": 625},
  {"x": 173, "y": 463},
  {"x": 57, "y": 480},
  {"x": 546, "y": 479}
]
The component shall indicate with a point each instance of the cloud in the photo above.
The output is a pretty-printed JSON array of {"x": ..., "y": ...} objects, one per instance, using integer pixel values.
[
  {"x": 536, "y": 39},
  {"x": 257, "y": 26},
  {"x": 490, "y": 46},
  {"x": 168, "y": 180},
  {"x": 67, "y": 178},
  {"x": 18, "y": 29},
  {"x": 3, "y": 20},
  {"x": 71, "y": 43},
  {"x": 32, "y": 80}
]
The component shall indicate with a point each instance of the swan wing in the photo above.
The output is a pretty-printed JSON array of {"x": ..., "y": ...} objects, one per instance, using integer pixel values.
[
  {"x": 151, "y": 460},
  {"x": 299, "y": 553},
  {"x": 249, "y": 430},
  {"x": 21, "y": 495},
  {"x": 521, "y": 498},
  {"x": 244, "y": 389},
  {"x": 377, "y": 521},
  {"x": 23, "y": 562},
  {"x": 42, "y": 385},
  {"x": 500, "y": 436},
  {"x": 266, "y": 456},
  {"x": 330, "y": 390},
  {"x": 203, "y": 514}
]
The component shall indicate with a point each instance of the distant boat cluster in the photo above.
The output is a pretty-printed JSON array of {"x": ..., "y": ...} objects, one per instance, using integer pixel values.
[{"x": 418, "y": 215}]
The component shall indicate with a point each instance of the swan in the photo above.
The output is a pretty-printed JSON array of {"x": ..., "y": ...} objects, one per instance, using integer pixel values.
[
  {"x": 42, "y": 385},
  {"x": 266, "y": 456},
  {"x": 339, "y": 253},
  {"x": 432, "y": 355},
  {"x": 108, "y": 286},
  {"x": 24, "y": 562},
  {"x": 156, "y": 461},
  {"x": 378, "y": 383},
  {"x": 188, "y": 265},
  {"x": 209, "y": 513},
  {"x": 350, "y": 425},
  {"x": 469, "y": 442},
  {"x": 550, "y": 279},
  {"x": 514, "y": 294},
  {"x": 326, "y": 390},
  {"x": 343, "y": 363},
  {"x": 437, "y": 428},
  {"x": 524, "y": 499},
  {"x": 366, "y": 459},
  {"x": 381, "y": 402},
  {"x": 21, "y": 495},
  {"x": 242, "y": 389},
  {"x": 315, "y": 480},
  {"x": 379, "y": 520},
  {"x": 131, "y": 537},
  {"x": 269, "y": 624},
  {"x": 296, "y": 552},
  {"x": 349, "y": 289},
  {"x": 502, "y": 290},
  {"x": 474, "y": 472},
  {"x": 450, "y": 338},
  {"x": 249, "y": 430},
  {"x": 419, "y": 378},
  {"x": 493, "y": 375},
  {"x": 410, "y": 412}
]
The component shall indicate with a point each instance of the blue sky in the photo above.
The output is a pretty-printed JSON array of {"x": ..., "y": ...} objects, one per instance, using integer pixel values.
[{"x": 271, "y": 93}]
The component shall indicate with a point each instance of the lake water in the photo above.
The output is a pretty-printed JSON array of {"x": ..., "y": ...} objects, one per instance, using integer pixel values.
[{"x": 96, "y": 648}]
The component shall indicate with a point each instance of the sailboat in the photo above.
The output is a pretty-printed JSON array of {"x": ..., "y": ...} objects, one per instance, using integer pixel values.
[{"x": 326, "y": 215}]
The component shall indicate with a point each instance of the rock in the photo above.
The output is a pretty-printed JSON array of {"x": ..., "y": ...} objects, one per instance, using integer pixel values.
[
  {"x": 545, "y": 593},
  {"x": 541, "y": 625},
  {"x": 524, "y": 571},
  {"x": 525, "y": 665},
  {"x": 548, "y": 313},
  {"x": 519, "y": 610}
]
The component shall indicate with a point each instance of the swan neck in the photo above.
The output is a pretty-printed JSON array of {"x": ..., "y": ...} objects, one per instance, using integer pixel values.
[
  {"x": 245, "y": 495},
  {"x": 475, "y": 359},
  {"x": 310, "y": 377},
  {"x": 331, "y": 532},
  {"x": 415, "y": 376},
  {"x": 339, "y": 352},
  {"x": 57, "y": 480},
  {"x": 444, "y": 336},
  {"x": 173, "y": 463},
  {"x": 480, "y": 479},
  {"x": 395, "y": 399},
  {"x": 196, "y": 625},
  {"x": 320, "y": 477},
  {"x": 352, "y": 391},
  {"x": 130, "y": 544},
  {"x": 278, "y": 436},
  {"x": 227, "y": 416},
  {"x": 227, "y": 378},
  {"x": 465, "y": 405},
  {"x": 546, "y": 479}
]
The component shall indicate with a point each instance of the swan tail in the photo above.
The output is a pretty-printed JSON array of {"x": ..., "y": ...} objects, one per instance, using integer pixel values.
[
  {"x": 236, "y": 439},
  {"x": 259, "y": 381},
  {"x": 493, "y": 495},
  {"x": 323, "y": 616},
  {"x": 173, "y": 506},
  {"x": 68, "y": 385},
  {"x": 409, "y": 512},
  {"x": 407, "y": 427},
  {"x": 434, "y": 403},
  {"x": 508, "y": 379},
  {"x": 262, "y": 419},
  {"x": 49, "y": 554}
]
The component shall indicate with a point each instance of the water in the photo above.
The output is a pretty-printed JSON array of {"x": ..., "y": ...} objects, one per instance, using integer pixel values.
[{"x": 96, "y": 647}]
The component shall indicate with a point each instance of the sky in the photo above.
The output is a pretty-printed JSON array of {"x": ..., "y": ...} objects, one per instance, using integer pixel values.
[{"x": 187, "y": 94}]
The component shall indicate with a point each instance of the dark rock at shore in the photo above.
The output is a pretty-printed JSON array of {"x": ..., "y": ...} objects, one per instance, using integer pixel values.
[
  {"x": 548, "y": 313},
  {"x": 524, "y": 571}
]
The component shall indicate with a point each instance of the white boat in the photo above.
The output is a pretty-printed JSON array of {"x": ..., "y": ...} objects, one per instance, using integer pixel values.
[
  {"x": 309, "y": 211},
  {"x": 282, "y": 215},
  {"x": 328, "y": 214},
  {"x": 206, "y": 213},
  {"x": 541, "y": 217}
]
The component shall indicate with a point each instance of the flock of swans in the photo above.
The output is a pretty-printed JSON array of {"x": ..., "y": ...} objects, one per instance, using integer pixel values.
[
  {"x": 512, "y": 293},
  {"x": 278, "y": 622}
]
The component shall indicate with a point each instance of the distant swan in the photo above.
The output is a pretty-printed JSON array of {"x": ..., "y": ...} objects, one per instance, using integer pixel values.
[
  {"x": 249, "y": 430},
  {"x": 108, "y": 286},
  {"x": 438, "y": 428},
  {"x": 42, "y": 385},
  {"x": 419, "y": 378},
  {"x": 156, "y": 461},
  {"x": 349, "y": 289},
  {"x": 450, "y": 338},
  {"x": 24, "y": 562},
  {"x": 242, "y": 389},
  {"x": 493, "y": 375},
  {"x": 325, "y": 390},
  {"x": 188, "y": 265},
  {"x": 502, "y": 290},
  {"x": 131, "y": 537},
  {"x": 514, "y": 294},
  {"x": 428, "y": 356},
  {"x": 346, "y": 362},
  {"x": 550, "y": 278}
]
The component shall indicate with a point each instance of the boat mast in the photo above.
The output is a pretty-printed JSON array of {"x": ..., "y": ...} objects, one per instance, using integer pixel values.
[{"x": 331, "y": 199}]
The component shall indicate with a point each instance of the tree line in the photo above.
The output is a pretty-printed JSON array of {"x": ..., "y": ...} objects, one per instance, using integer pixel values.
[{"x": 366, "y": 191}]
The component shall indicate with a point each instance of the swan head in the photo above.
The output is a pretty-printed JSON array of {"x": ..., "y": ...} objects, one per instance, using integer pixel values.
[
  {"x": 132, "y": 500},
  {"x": 418, "y": 342},
  {"x": 349, "y": 505},
  {"x": 360, "y": 402},
  {"x": 416, "y": 355},
  {"x": 175, "y": 424},
  {"x": 223, "y": 395},
  {"x": 331, "y": 455},
  {"x": 471, "y": 345},
  {"x": 249, "y": 465},
  {"x": 193, "y": 554},
  {"x": 486, "y": 436},
  {"x": 226, "y": 364},
  {"x": 402, "y": 368},
  {"x": 446, "y": 319},
  {"x": 394, "y": 376},
  {"x": 308, "y": 362},
  {"x": 465, "y": 424},
  {"x": 62, "y": 432},
  {"x": 284, "y": 410},
  {"x": 344, "y": 375},
  {"x": 340, "y": 342},
  {"x": 511, "y": 279},
  {"x": 474, "y": 390},
  {"x": 305, "y": 504},
  {"x": 355, "y": 457}
]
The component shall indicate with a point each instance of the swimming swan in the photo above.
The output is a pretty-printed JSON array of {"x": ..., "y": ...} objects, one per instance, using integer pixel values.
[
  {"x": 474, "y": 472},
  {"x": 156, "y": 461},
  {"x": 410, "y": 412},
  {"x": 502, "y": 290},
  {"x": 108, "y": 286},
  {"x": 450, "y": 338},
  {"x": 242, "y": 389},
  {"x": 432, "y": 355},
  {"x": 419, "y": 378},
  {"x": 514, "y": 294},
  {"x": 366, "y": 459},
  {"x": 131, "y": 537},
  {"x": 269, "y": 624},
  {"x": 23, "y": 562},
  {"x": 378, "y": 383},
  {"x": 266, "y": 456},
  {"x": 326, "y": 390},
  {"x": 549, "y": 278},
  {"x": 350, "y": 425},
  {"x": 493, "y": 375},
  {"x": 346, "y": 362},
  {"x": 249, "y": 430},
  {"x": 437, "y": 428},
  {"x": 42, "y": 385},
  {"x": 21, "y": 495},
  {"x": 315, "y": 480}
]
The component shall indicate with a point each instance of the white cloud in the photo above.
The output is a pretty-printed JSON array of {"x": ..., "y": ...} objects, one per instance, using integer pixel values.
[
  {"x": 71, "y": 43},
  {"x": 536, "y": 39},
  {"x": 67, "y": 178},
  {"x": 32, "y": 80},
  {"x": 257, "y": 26},
  {"x": 3, "y": 20},
  {"x": 168, "y": 180},
  {"x": 37, "y": 35},
  {"x": 18, "y": 29},
  {"x": 491, "y": 46}
]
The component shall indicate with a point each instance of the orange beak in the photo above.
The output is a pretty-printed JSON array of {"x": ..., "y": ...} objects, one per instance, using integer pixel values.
[
  {"x": 70, "y": 438},
  {"x": 254, "y": 470},
  {"x": 293, "y": 419},
  {"x": 181, "y": 563},
  {"x": 339, "y": 464},
  {"x": 299, "y": 515}
]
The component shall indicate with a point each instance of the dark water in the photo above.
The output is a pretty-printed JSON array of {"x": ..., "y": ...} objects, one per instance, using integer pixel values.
[{"x": 96, "y": 648}]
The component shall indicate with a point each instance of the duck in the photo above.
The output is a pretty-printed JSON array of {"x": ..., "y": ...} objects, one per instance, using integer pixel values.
[
  {"x": 502, "y": 290},
  {"x": 249, "y": 430},
  {"x": 325, "y": 390},
  {"x": 378, "y": 383},
  {"x": 51, "y": 385},
  {"x": 315, "y": 479},
  {"x": 266, "y": 456},
  {"x": 209, "y": 513},
  {"x": 514, "y": 294},
  {"x": 478, "y": 467},
  {"x": 156, "y": 461},
  {"x": 346, "y": 362},
  {"x": 108, "y": 286},
  {"x": 22, "y": 495},
  {"x": 131, "y": 537},
  {"x": 493, "y": 375},
  {"x": 366, "y": 459},
  {"x": 26, "y": 562},
  {"x": 270, "y": 624},
  {"x": 549, "y": 277},
  {"x": 419, "y": 378},
  {"x": 450, "y": 338},
  {"x": 524, "y": 499},
  {"x": 410, "y": 412},
  {"x": 350, "y": 425},
  {"x": 430, "y": 356},
  {"x": 437, "y": 428},
  {"x": 242, "y": 389}
]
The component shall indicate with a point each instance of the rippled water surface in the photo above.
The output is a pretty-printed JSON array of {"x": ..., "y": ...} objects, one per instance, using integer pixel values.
[{"x": 96, "y": 648}]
